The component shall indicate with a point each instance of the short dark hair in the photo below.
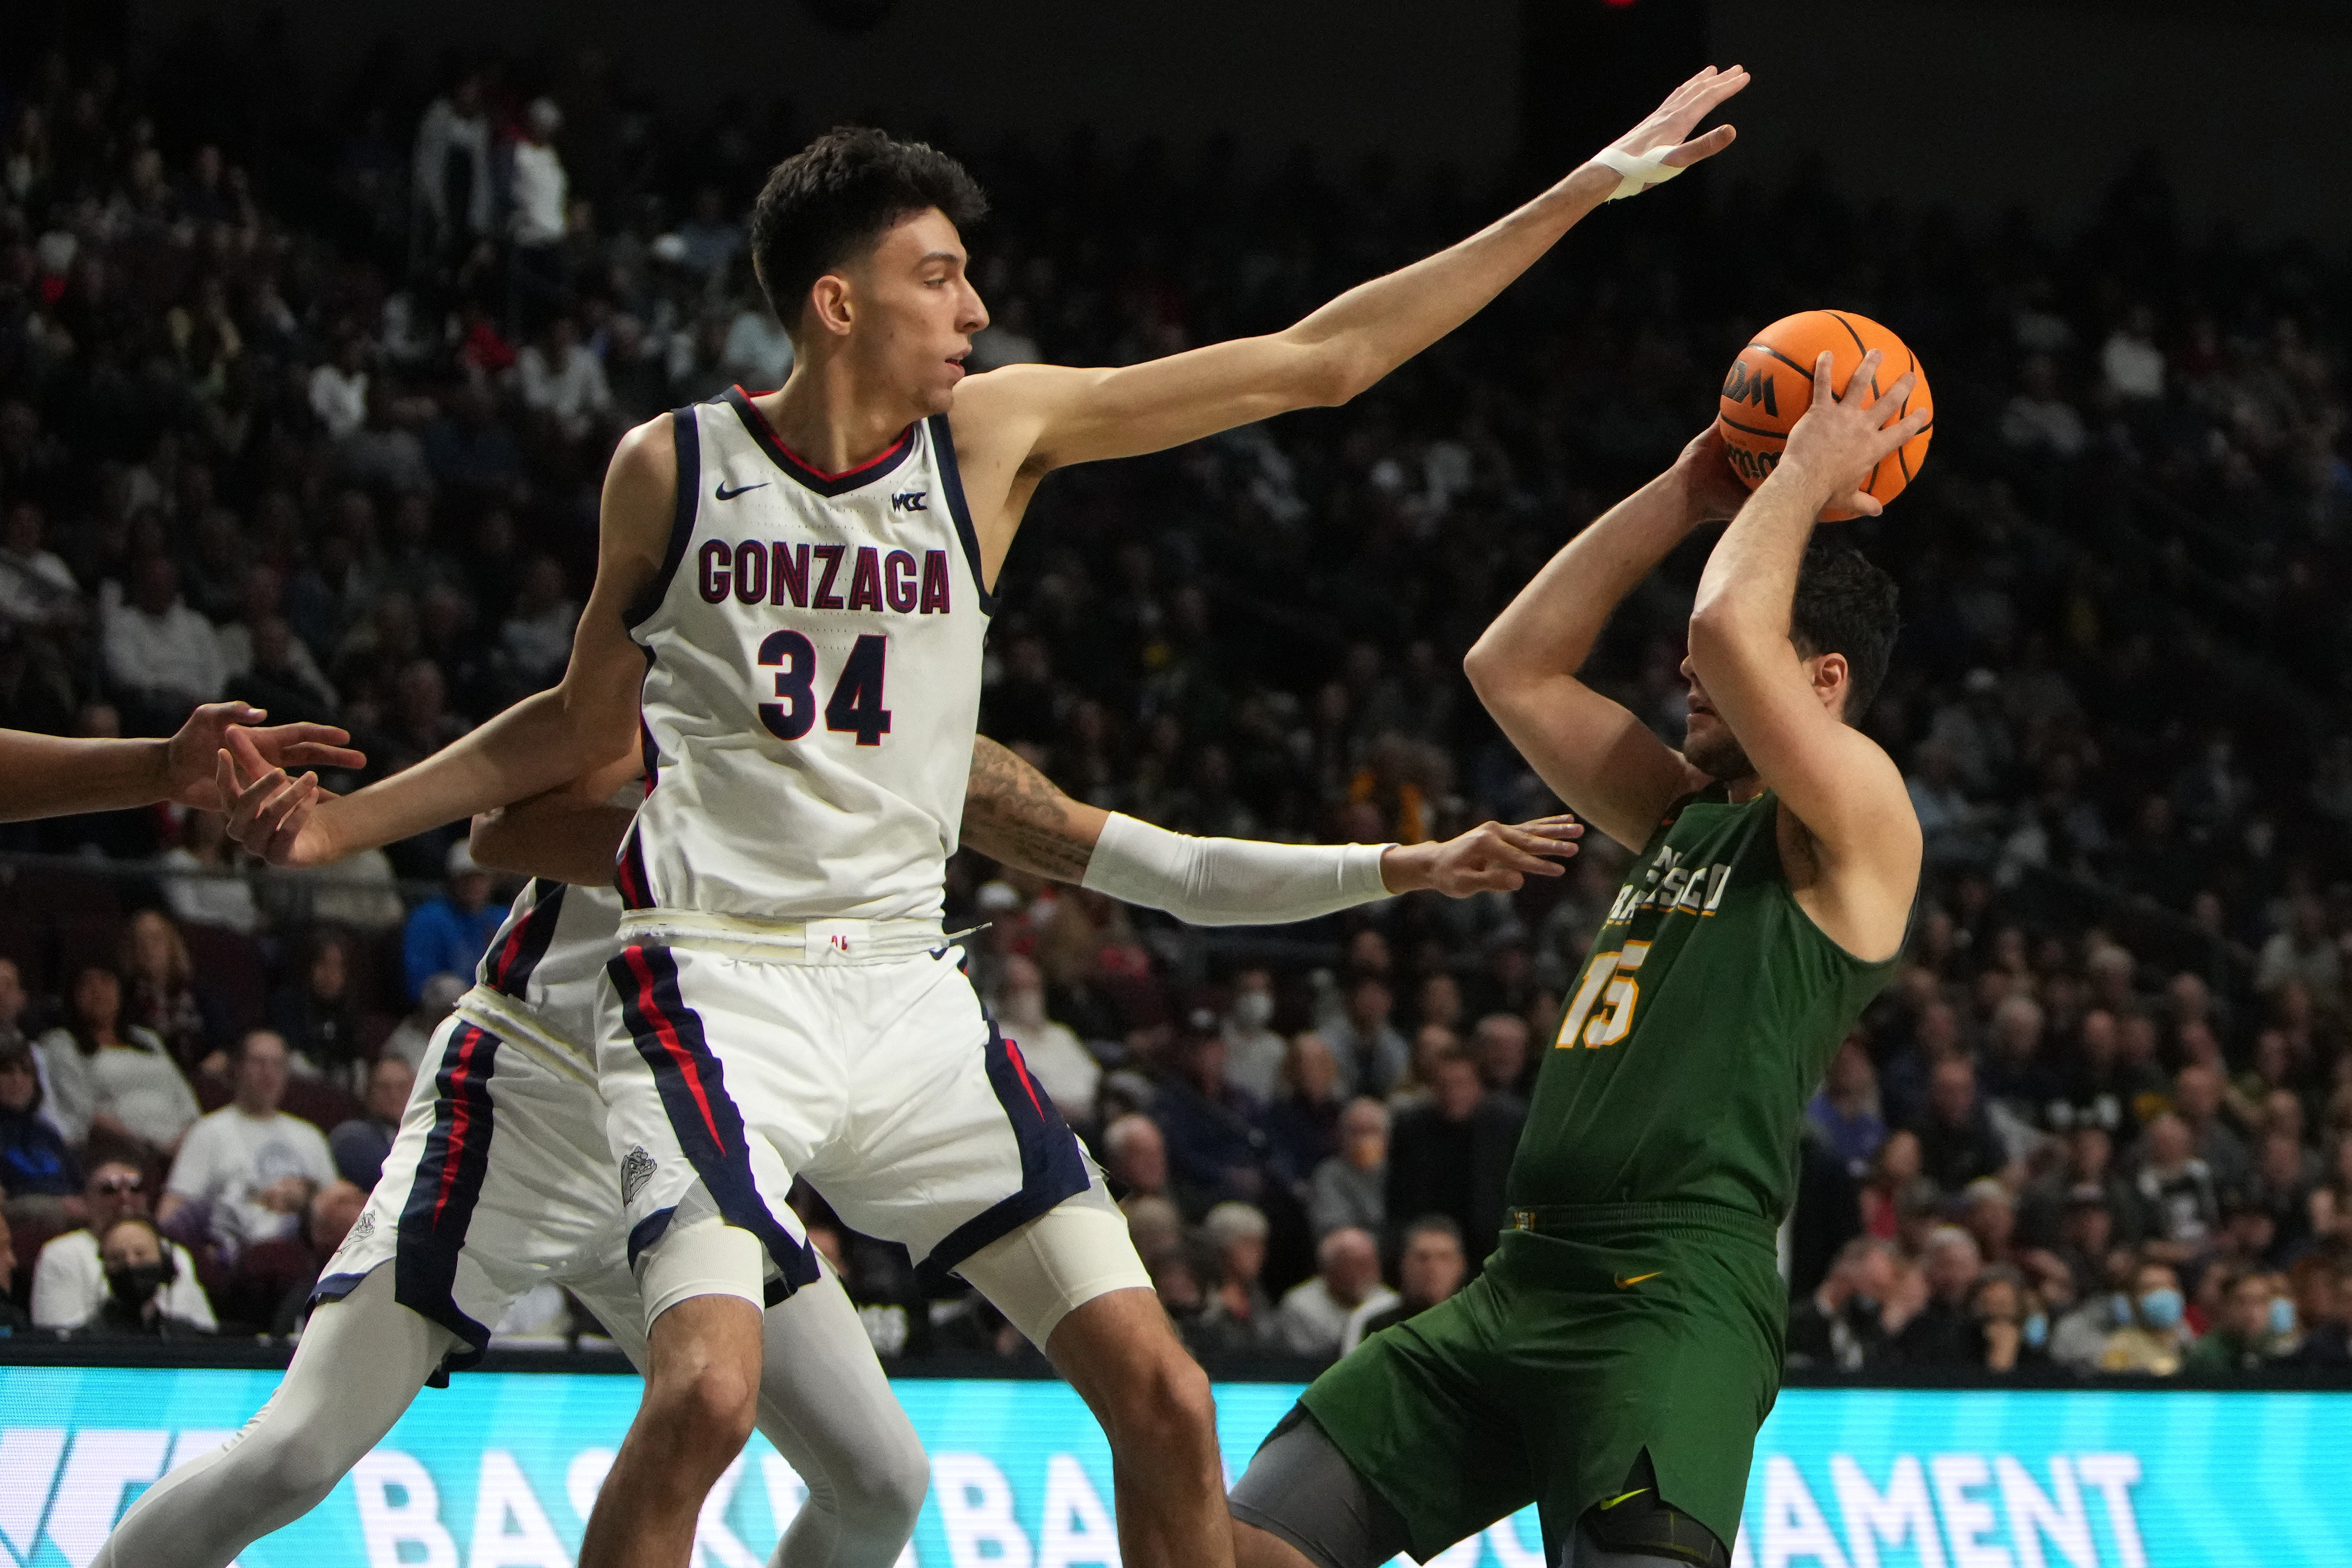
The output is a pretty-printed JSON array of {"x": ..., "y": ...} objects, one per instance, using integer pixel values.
[
  {"x": 1846, "y": 605},
  {"x": 839, "y": 195}
]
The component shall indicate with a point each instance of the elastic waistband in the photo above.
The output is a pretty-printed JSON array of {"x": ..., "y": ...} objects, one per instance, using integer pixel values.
[
  {"x": 784, "y": 941},
  {"x": 518, "y": 1025},
  {"x": 1583, "y": 1220}
]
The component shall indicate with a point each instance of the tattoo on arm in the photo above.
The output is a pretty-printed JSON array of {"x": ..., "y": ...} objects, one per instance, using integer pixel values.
[{"x": 1020, "y": 817}]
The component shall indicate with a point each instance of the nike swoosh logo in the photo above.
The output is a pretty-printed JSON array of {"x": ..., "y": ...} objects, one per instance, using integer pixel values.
[
  {"x": 1635, "y": 1281},
  {"x": 1622, "y": 1496},
  {"x": 724, "y": 494}
]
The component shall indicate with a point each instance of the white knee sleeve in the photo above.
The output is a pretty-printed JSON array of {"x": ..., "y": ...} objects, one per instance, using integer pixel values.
[
  {"x": 1065, "y": 1258},
  {"x": 703, "y": 1256}
]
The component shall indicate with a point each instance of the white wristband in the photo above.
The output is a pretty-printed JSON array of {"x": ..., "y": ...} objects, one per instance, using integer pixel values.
[
  {"x": 1230, "y": 881},
  {"x": 1639, "y": 172}
]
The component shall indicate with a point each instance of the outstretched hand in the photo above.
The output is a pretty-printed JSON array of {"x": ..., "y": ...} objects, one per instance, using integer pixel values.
[
  {"x": 274, "y": 816},
  {"x": 193, "y": 779},
  {"x": 1492, "y": 857},
  {"x": 1712, "y": 491},
  {"x": 1838, "y": 441},
  {"x": 1661, "y": 146}
]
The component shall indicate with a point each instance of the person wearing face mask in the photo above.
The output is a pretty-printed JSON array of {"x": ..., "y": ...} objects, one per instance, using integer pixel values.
[
  {"x": 70, "y": 1276},
  {"x": 2012, "y": 1327},
  {"x": 1065, "y": 1068},
  {"x": 2249, "y": 1331},
  {"x": 2158, "y": 1338},
  {"x": 138, "y": 1270},
  {"x": 1254, "y": 1052}
]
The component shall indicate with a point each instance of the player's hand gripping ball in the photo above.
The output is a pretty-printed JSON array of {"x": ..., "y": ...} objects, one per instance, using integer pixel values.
[{"x": 1772, "y": 385}]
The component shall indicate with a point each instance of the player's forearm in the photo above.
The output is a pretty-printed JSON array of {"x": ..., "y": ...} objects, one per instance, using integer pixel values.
[
  {"x": 51, "y": 775},
  {"x": 1375, "y": 327},
  {"x": 1741, "y": 613},
  {"x": 562, "y": 839},
  {"x": 1550, "y": 629},
  {"x": 531, "y": 747}
]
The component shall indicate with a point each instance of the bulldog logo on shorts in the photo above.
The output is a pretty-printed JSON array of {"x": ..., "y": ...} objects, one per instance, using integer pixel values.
[
  {"x": 364, "y": 1227},
  {"x": 635, "y": 1171}
]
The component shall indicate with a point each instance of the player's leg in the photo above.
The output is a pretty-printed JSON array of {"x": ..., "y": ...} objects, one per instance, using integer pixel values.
[
  {"x": 1071, "y": 1281},
  {"x": 358, "y": 1368},
  {"x": 703, "y": 1182},
  {"x": 828, "y": 1409},
  {"x": 954, "y": 1151},
  {"x": 1301, "y": 1505}
]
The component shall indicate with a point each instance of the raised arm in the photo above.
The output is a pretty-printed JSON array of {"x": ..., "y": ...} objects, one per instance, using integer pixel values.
[
  {"x": 1015, "y": 815},
  {"x": 1840, "y": 787},
  {"x": 1596, "y": 755},
  {"x": 51, "y": 775},
  {"x": 543, "y": 741},
  {"x": 1056, "y": 415}
]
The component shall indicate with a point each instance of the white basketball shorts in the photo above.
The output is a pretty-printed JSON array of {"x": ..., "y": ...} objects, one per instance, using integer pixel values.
[
  {"x": 728, "y": 1071},
  {"x": 501, "y": 1177}
]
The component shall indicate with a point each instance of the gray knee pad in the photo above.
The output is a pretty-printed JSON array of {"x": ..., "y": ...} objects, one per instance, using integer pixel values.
[{"x": 1299, "y": 1487}]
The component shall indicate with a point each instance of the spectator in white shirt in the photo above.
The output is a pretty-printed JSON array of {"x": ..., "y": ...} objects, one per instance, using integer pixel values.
[
  {"x": 38, "y": 592},
  {"x": 2131, "y": 365},
  {"x": 539, "y": 210},
  {"x": 535, "y": 639},
  {"x": 161, "y": 656},
  {"x": 2037, "y": 419},
  {"x": 255, "y": 1168},
  {"x": 1056, "y": 1057},
  {"x": 69, "y": 1277},
  {"x": 450, "y": 178},
  {"x": 109, "y": 1079},
  {"x": 206, "y": 891},
  {"x": 339, "y": 389},
  {"x": 757, "y": 355},
  {"x": 1346, "y": 1277},
  {"x": 563, "y": 381}
]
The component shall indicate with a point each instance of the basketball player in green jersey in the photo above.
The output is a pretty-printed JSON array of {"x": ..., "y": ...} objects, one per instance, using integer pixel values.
[{"x": 1613, "y": 1361}]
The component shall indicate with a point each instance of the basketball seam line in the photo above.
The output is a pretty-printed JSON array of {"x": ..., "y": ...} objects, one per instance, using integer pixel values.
[
  {"x": 1849, "y": 329},
  {"x": 1784, "y": 359},
  {"x": 1751, "y": 430}
]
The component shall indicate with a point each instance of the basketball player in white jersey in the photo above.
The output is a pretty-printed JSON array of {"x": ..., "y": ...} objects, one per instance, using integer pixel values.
[
  {"x": 500, "y": 1176},
  {"x": 791, "y": 596}
]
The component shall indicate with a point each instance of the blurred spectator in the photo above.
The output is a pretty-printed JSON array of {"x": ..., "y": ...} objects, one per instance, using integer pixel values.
[
  {"x": 339, "y": 389},
  {"x": 1302, "y": 1126},
  {"x": 758, "y": 353},
  {"x": 115, "y": 1084},
  {"x": 1237, "y": 1314},
  {"x": 38, "y": 592},
  {"x": 1849, "y": 1322},
  {"x": 206, "y": 889},
  {"x": 251, "y": 1168},
  {"x": 2085, "y": 1173},
  {"x": 1216, "y": 1137},
  {"x": 1894, "y": 1185},
  {"x": 1061, "y": 1063},
  {"x": 2010, "y": 1328},
  {"x": 2037, "y": 419},
  {"x": 1843, "y": 1113},
  {"x": 1945, "y": 1332},
  {"x": 1254, "y": 1052},
  {"x": 1958, "y": 1142},
  {"x": 1450, "y": 1155},
  {"x": 2321, "y": 1282},
  {"x": 14, "y": 1319},
  {"x": 450, "y": 173},
  {"x": 2301, "y": 952},
  {"x": 1500, "y": 1041},
  {"x": 2179, "y": 1211},
  {"x": 163, "y": 995},
  {"x": 1371, "y": 1055},
  {"x": 1350, "y": 1187},
  {"x": 539, "y": 210},
  {"x": 328, "y": 1220},
  {"x": 315, "y": 1012},
  {"x": 2196, "y": 1097},
  {"x": 1989, "y": 1215},
  {"x": 1135, "y": 1157},
  {"x": 413, "y": 1036},
  {"x": 2130, "y": 364},
  {"x": 2156, "y": 1338},
  {"x": 359, "y": 1146},
  {"x": 447, "y": 933},
  {"x": 1431, "y": 1266},
  {"x": 34, "y": 1163},
  {"x": 2249, "y": 1333},
  {"x": 564, "y": 381},
  {"x": 139, "y": 1270},
  {"x": 161, "y": 656},
  {"x": 535, "y": 638},
  {"x": 711, "y": 238},
  {"x": 70, "y": 1284},
  {"x": 1346, "y": 1277}
]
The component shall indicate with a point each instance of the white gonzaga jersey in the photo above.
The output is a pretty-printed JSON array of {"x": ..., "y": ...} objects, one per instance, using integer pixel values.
[
  {"x": 813, "y": 654},
  {"x": 544, "y": 970}
]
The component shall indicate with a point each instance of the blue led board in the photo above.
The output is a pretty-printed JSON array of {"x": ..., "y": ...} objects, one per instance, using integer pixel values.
[{"x": 499, "y": 1472}]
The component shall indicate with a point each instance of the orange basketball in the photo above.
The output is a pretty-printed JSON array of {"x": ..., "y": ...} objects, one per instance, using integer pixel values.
[{"x": 1771, "y": 384}]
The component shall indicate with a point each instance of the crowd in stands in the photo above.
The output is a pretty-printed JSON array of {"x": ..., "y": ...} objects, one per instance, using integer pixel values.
[{"x": 318, "y": 421}]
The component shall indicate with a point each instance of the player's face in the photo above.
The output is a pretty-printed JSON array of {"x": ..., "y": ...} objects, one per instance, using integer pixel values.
[
  {"x": 1707, "y": 741},
  {"x": 922, "y": 307}
]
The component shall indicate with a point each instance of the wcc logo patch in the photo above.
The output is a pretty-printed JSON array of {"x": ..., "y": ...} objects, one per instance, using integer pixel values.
[{"x": 635, "y": 1171}]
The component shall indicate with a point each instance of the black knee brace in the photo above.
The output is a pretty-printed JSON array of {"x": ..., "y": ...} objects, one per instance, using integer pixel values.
[{"x": 1637, "y": 1522}]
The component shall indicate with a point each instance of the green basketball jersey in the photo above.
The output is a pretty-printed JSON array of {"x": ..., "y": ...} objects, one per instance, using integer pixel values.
[{"x": 1707, "y": 1013}]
